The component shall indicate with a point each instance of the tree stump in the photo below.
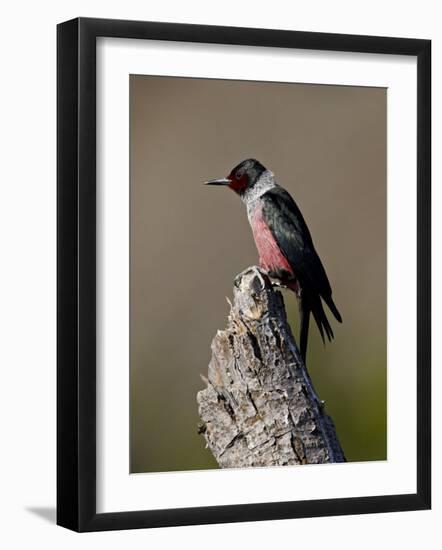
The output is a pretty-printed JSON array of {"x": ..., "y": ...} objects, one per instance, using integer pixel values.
[{"x": 259, "y": 407}]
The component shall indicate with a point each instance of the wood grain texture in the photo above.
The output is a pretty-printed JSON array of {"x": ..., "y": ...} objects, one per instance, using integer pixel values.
[{"x": 259, "y": 407}]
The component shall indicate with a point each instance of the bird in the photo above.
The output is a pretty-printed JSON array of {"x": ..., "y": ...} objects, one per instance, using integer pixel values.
[{"x": 284, "y": 243}]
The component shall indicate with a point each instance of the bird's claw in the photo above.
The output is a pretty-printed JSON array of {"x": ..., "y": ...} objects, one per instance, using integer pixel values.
[{"x": 276, "y": 284}]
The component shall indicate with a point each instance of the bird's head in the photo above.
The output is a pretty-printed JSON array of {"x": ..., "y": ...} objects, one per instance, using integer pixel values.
[{"x": 242, "y": 177}]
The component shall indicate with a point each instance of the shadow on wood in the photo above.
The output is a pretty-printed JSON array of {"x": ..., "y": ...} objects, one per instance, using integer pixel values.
[{"x": 260, "y": 407}]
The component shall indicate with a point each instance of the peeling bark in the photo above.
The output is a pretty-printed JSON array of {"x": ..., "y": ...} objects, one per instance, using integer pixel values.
[{"x": 260, "y": 407}]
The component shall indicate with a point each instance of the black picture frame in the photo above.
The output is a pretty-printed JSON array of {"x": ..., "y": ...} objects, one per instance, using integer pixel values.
[{"x": 76, "y": 273}]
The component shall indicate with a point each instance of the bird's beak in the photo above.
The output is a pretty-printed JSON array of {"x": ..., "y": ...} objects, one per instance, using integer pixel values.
[{"x": 221, "y": 181}]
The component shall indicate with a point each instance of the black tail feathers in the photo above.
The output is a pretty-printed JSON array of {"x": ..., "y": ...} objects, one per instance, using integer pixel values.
[
  {"x": 321, "y": 319},
  {"x": 313, "y": 304},
  {"x": 304, "y": 311},
  {"x": 333, "y": 308}
]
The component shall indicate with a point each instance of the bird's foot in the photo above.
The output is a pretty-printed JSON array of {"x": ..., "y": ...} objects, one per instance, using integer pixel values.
[{"x": 276, "y": 284}]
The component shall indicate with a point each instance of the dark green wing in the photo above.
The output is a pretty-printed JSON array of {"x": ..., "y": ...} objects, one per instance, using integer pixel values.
[{"x": 287, "y": 225}]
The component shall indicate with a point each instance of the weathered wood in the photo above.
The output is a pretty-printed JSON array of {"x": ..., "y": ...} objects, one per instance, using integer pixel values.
[{"x": 260, "y": 407}]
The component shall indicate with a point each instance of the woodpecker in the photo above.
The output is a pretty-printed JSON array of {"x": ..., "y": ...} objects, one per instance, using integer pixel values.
[{"x": 284, "y": 244}]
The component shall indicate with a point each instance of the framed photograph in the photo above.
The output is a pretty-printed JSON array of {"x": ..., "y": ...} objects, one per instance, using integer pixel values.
[{"x": 288, "y": 172}]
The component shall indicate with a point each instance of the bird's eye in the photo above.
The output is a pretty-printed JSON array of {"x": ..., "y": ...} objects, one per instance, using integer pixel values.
[{"x": 238, "y": 175}]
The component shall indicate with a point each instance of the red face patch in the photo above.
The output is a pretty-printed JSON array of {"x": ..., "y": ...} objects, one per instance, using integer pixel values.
[{"x": 238, "y": 184}]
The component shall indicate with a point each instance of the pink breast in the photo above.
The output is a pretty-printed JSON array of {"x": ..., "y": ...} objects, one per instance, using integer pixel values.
[{"x": 270, "y": 256}]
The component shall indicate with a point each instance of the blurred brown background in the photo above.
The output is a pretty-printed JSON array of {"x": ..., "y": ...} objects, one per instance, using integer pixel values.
[{"x": 327, "y": 146}]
